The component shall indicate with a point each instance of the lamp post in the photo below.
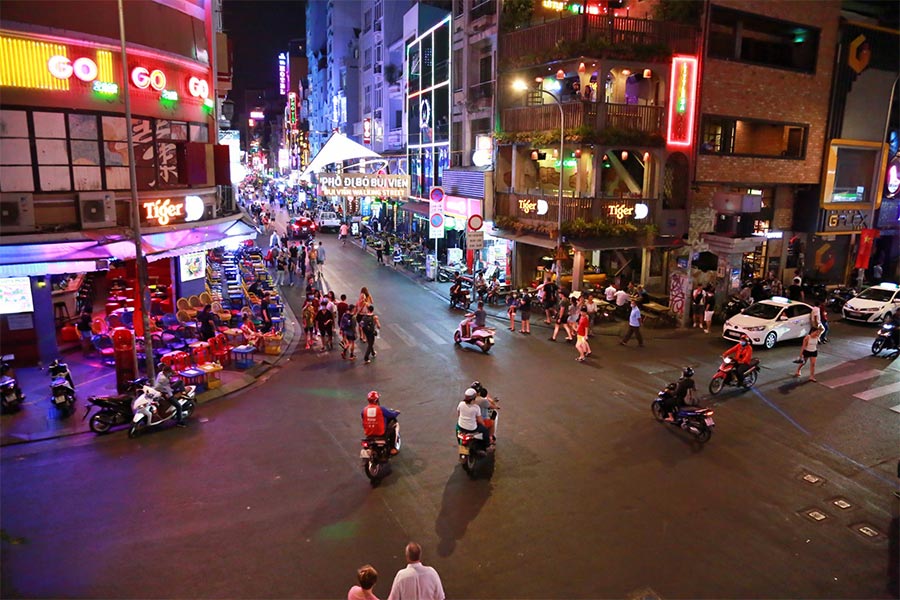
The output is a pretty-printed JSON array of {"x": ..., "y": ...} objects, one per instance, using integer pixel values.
[{"x": 520, "y": 86}]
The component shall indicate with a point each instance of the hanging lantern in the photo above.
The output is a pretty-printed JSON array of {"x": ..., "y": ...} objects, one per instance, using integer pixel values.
[
  {"x": 646, "y": 156},
  {"x": 556, "y": 154},
  {"x": 534, "y": 155},
  {"x": 624, "y": 155},
  {"x": 560, "y": 74},
  {"x": 581, "y": 69},
  {"x": 648, "y": 73},
  {"x": 577, "y": 152}
]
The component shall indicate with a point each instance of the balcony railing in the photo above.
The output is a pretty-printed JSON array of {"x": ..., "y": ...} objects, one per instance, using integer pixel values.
[
  {"x": 481, "y": 91},
  {"x": 618, "y": 33},
  {"x": 596, "y": 115},
  {"x": 481, "y": 8},
  {"x": 543, "y": 208}
]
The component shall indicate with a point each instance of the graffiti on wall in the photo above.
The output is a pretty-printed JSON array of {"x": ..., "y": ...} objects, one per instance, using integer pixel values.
[{"x": 677, "y": 284}]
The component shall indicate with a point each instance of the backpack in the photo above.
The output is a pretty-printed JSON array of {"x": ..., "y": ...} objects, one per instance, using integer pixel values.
[{"x": 368, "y": 326}]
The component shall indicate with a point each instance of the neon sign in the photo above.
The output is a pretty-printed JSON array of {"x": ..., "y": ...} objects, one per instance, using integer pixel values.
[
  {"x": 620, "y": 211},
  {"x": 282, "y": 73},
  {"x": 575, "y": 7},
  {"x": 144, "y": 78},
  {"x": 198, "y": 88},
  {"x": 292, "y": 108},
  {"x": 367, "y": 130},
  {"x": 682, "y": 100},
  {"x": 83, "y": 68},
  {"x": 163, "y": 211}
]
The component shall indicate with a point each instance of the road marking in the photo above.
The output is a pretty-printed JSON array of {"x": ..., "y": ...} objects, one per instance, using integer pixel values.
[
  {"x": 878, "y": 392},
  {"x": 431, "y": 335},
  {"x": 896, "y": 409},
  {"x": 852, "y": 378},
  {"x": 401, "y": 333}
]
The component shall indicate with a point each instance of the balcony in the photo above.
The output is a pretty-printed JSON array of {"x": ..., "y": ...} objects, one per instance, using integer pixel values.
[
  {"x": 596, "y": 116},
  {"x": 482, "y": 8},
  {"x": 596, "y": 36},
  {"x": 526, "y": 207},
  {"x": 480, "y": 94}
]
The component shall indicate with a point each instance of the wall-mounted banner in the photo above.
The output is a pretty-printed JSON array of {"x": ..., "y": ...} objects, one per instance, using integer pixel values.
[{"x": 362, "y": 184}]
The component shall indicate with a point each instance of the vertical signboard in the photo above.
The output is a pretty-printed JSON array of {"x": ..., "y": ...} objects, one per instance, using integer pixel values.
[
  {"x": 283, "y": 77},
  {"x": 435, "y": 220},
  {"x": 682, "y": 101}
]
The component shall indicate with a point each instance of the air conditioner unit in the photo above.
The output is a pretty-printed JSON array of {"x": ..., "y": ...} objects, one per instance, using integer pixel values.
[
  {"x": 97, "y": 210},
  {"x": 211, "y": 211},
  {"x": 16, "y": 213}
]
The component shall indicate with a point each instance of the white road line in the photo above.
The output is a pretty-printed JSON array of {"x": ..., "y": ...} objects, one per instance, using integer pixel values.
[
  {"x": 896, "y": 409},
  {"x": 401, "y": 333},
  {"x": 878, "y": 392},
  {"x": 852, "y": 378},
  {"x": 432, "y": 335}
]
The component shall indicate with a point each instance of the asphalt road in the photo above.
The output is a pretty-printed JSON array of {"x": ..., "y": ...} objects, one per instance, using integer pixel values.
[{"x": 262, "y": 496}]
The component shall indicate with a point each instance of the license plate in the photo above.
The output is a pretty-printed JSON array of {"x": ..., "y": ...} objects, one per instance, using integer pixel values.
[
  {"x": 463, "y": 451},
  {"x": 365, "y": 453},
  {"x": 709, "y": 422}
]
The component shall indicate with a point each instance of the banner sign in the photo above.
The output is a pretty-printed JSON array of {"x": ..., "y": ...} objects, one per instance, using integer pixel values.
[
  {"x": 474, "y": 240},
  {"x": 364, "y": 184}
]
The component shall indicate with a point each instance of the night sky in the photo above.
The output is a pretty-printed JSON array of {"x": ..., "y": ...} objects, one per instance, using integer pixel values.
[{"x": 259, "y": 30}]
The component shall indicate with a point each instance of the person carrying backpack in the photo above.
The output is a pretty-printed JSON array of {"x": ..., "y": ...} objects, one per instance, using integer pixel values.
[
  {"x": 348, "y": 330},
  {"x": 370, "y": 326}
]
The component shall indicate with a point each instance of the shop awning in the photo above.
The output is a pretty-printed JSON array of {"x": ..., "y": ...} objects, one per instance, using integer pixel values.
[
  {"x": 337, "y": 149},
  {"x": 420, "y": 208},
  {"x": 525, "y": 238},
  {"x": 618, "y": 243},
  {"x": 53, "y": 258}
]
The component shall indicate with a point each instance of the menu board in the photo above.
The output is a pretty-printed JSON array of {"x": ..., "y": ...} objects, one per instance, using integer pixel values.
[{"x": 15, "y": 295}]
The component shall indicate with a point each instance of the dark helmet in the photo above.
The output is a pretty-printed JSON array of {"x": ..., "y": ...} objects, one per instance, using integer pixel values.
[
  {"x": 687, "y": 372},
  {"x": 482, "y": 391}
]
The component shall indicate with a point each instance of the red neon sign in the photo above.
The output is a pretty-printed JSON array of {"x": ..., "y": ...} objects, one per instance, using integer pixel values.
[{"x": 682, "y": 101}]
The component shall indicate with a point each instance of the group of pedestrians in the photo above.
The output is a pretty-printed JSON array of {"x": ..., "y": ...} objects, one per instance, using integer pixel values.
[
  {"x": 414, "y": 582},
  {"x": 294, "y": 260},
  {"x": 703, "y": 306},
  {"x": 323, "y": 313}
]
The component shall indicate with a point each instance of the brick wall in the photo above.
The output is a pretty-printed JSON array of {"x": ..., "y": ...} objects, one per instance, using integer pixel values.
[{"x": 746, "y": 90}]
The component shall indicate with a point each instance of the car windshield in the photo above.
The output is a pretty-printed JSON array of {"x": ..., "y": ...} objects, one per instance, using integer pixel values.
[
  {"x": 876, "y": 294},
  {"x": 762, "y": 311}
]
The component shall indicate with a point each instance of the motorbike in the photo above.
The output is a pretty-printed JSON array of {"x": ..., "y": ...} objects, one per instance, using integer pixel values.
[
  {"x": 885, "y": 339},
  {"x": 11, "y": 396},
  {"x": 734, "y": 306},
  {"x": 461, "y": 298},
  {"x": 146, "y": 407},
  {"x": 62, "y": 388},
  {"x": 112, "y": 410},
  {"x": 696, "y": 420},
  {"x": 727, "y": 375},
  {"x": 376, "y": 454},
  {"x": 839, "y": 297},
  {"x": 445, "y": 274},
  {"x": 481, "y": 337},
  {"x": 472, "y": 447}
]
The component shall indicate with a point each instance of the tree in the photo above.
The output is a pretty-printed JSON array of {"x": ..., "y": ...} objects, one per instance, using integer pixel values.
[{"x": 687, "y": 12}]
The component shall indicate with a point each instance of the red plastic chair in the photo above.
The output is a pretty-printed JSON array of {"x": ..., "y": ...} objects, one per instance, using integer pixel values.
[{"x": 221, "y": 349}]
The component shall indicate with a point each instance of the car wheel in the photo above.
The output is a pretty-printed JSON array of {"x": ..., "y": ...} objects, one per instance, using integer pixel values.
[{"x": 771, "y": 339}]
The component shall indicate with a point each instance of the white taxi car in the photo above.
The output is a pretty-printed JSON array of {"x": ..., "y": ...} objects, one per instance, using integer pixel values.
[
  {"x": 770, "y": 321},
  {"x": 873, "y": 303}
]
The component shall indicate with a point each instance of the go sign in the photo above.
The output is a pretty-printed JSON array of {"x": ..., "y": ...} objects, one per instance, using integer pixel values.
[
  {"x": 143, "y": 78},
  {"x": 198, "y": 88}
]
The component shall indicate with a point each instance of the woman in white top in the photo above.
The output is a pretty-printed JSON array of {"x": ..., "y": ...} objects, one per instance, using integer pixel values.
[
  {"x": 809, "y": 352},
  {"x": 468, "y": 416}
]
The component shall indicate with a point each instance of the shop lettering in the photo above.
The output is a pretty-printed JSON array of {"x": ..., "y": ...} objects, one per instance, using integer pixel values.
[
  {"x": 198, "y": 88},
  {"x": 527, "y": 205},
  {"x": 163, "y": 211},
  {"x": 83, "y": 68},
  {"x": 364, "y": 181},
  {"x": 845, "y": 220},
  {"x": 620, "y": 211},
  {"x": 144, "y": 78}
]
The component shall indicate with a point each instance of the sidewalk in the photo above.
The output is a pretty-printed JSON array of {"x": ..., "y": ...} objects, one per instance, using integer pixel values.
[{"x": 38, "y": 420}]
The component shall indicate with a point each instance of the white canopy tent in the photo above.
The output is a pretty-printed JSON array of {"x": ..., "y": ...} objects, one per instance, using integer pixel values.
[{"x": 337, "y": 149}]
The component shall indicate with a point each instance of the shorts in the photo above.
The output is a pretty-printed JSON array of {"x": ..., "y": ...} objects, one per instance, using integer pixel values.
[
  {"x": 526, "y": 315},
  {"x": 580, "y": 340},
  {"x": 708, "y": 315},
  {"x": 810, "y": 353},
  {"x": 561, "y": 321},
  {"x": 350, "y": 335}
]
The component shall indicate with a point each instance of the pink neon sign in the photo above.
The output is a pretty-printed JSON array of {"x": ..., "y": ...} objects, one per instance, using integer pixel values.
[{"x": 682, "y": 101}]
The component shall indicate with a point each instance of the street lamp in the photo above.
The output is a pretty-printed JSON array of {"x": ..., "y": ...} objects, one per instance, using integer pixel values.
[{"x": 520, "y": 86}]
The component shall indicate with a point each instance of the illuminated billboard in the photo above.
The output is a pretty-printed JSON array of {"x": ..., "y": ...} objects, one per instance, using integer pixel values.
[{"x": 682, "y": 101}]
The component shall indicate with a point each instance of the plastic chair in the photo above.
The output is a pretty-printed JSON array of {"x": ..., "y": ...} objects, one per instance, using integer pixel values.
[
  {"x": 205, "y": 298},
  {"x": 184, "y": 305},
  {"x": 220, "y": 349},
  {"x": 186, "y": 335},
  {"x": 114, "y": 321},
  {"x": 182, "y": 316},
  {"x": 195, "y": 303},
  {"x": 104, "y": 346},
  {"x": 98, "y": 326},
  {"x": 169, "y": 321}
]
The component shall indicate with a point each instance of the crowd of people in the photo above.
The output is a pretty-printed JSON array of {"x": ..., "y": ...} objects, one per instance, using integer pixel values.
[{"x": 323, "y": 313}]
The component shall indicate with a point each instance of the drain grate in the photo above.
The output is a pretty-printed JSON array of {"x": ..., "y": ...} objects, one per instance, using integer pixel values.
[
  {"x": 811, "y": 478},
  {"x": 814, "y": 514},
  {"x": 841, "y": 503},
  {"x": 868, "y": 531}
]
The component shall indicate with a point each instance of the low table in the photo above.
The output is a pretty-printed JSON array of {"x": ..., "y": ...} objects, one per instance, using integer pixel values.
[
  {"x": 212, "y": 374},
  {"x": 193, "y": 376},
  {"x": 243, "y": 356}
]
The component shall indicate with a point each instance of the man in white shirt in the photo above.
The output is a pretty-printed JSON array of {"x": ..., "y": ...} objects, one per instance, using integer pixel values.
[
  {"x": 622, "y": 297},
  {"x": 416, "y": 581},
  {"x": 610, "y": 293}
]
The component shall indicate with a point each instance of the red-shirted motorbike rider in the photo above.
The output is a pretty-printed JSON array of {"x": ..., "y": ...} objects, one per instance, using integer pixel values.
[
  {"x": 378, "y": 421},
  {"x": 743, "y": 354}
]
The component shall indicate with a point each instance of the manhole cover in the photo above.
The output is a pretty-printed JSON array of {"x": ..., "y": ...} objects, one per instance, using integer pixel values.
[
  {"x": 867, "y": 531},
  {"x": 841, "y": 503},
  {"x": 812, "y": 478},
  {"x": 814, "y": 514}
]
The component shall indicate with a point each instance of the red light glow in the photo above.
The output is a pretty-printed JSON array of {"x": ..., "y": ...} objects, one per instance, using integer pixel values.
[{"x": 682, "y": 101}]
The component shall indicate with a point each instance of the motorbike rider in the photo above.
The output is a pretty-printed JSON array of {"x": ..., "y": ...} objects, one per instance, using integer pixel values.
[
  {"x": 469, "y": 417},
  {"x": 475, "y": 320},
  {"x": 163, "y": 385},
  {"x": 681, "y": 394},
  {"x": 378, "y": 421},
  {"x": 456, "y": 288},
  {"x": 486, "y": 403},
  {"x": 894, "y": 324},
  {"x": 743, "y": 354}
]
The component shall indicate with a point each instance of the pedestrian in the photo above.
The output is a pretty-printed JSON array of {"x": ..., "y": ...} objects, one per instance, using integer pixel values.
[
  {"x": 550, "y": 293},
  {"x": 291, "y": 265},
  {"x": 363, "y": 241},
  {"x": 582, "y": 345},
  {"x": 610, "y": 293},
  {"x": 575, "y": 304},
  {"x": 370, "y": 326},
  {"x": 591, "y": 305},
  {"x": 325, "y": 325},
  {"x": 312, "y": 256},
  {"x": 622, "y": 297},
  {"x": 562, "y": 317},
  {"x": 366, "y": 577},
  {"x": 280, "y": 266},
  {"x": 320, "y": 256},
  {"x": 362, "y": 307},
  {"x": 416, "y": 581},
  {"x": 512, "y": 302},
  {"x": 265, "y": 313},
  {"x": 697, "y": 305},
  {"x": 207, "y": 322},
  {"x": 709, "y": 308},
  {"x": 877, "y": 273},
  {"x": 379, "y": 252},
  {"x": 635, "y": 320},
  {"x": 309, "y": 322},
  {"x": 525, "y": 312},
  {"x": 348, "y": 332},
  {"x": 823, "y": 319},
  {"x": 808, "y": 352},
  {"x": 795, "y": 290}
]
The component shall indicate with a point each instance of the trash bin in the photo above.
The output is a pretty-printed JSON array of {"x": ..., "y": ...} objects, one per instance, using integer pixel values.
[
  {"x": 430, "y": 267},
  {"x": 126, "y": 360}
]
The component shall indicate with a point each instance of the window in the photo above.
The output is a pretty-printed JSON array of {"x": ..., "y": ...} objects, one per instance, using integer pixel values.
[
  {"x": 52, "y": 152},
  {"x": 367, "y": 99},
  {"x": 15, "y": 152},
  {"x": 367, "y": 21},
  {"x": 745, "y": 37},
  {"x": 115, "y": 152},
  {"x": 367, "y": 58},
  {"x": 458, "y": 70},
  {"x": 84, "y": 146},
  {"x": 379, "y": 11},
  {"x": 750, "y": 137},
  {"x": 377, "y": 98}
]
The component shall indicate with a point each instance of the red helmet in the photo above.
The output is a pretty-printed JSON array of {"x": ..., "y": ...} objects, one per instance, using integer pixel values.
[{"x": 373, "y": 396}]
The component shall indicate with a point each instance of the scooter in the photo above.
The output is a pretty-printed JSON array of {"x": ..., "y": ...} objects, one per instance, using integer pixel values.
[
  {"x": 482, "y": 337},
  {"x": 460, "y": 298},
  {"x": 727, "y": 375},
  {"x": 62, "y": 388},
  {"x": 11, "y": 396},
  {"x": 472, "y": 447},
  {"x": 376, "y": 454},
  {"x": 734, "y": 306},
  {"x": 885, "y": 339},
  {"x": 696, "y": 420},
  {"x": 113, "y": 410},
  {"x": 146, "y": 407}
]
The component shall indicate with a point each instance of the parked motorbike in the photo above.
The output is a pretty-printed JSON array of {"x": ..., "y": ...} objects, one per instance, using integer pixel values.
[
  {"x": 696, "y": 420},
  {"x": 885, "y": 339},
  {"x": 376, "y": 454},
  {"x": 839, "y": 297},
  {"x": 734, "y": 306},
  {"x": 146, "y": 407},
  {"x": 472, "y": 447},
  {"x": 62, "y": 388},
  {"x": 468, "y": 333},
  {"x": 727, "y": 375},
  {"x": 11, "y": 396},
  {"x": 112, "y": 410}
]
